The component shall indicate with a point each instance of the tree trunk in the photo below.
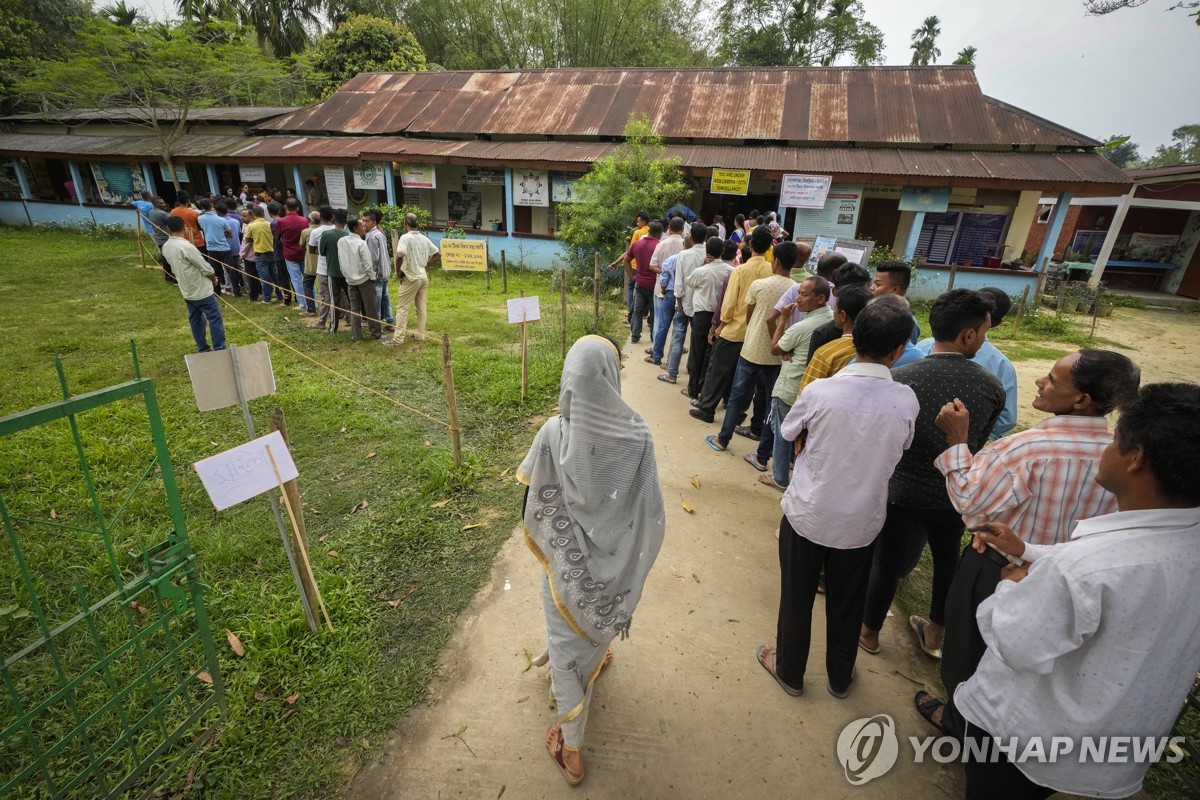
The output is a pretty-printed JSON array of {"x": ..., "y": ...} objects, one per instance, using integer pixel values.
[{"x": 170, "y": 162}]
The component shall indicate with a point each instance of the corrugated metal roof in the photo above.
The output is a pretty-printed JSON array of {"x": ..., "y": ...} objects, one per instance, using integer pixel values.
[
  {"x": 213, "y": 115},
  {"x": 882, "y": 105},
  {"x": 138, "y": 147}
]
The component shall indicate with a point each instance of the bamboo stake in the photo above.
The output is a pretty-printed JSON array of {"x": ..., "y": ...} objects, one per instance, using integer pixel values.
[
  {"x": 451, "y": 399},
  {"x": 953, "y": 271},
  {"x": 1095, "y": 314},
  {"x": 141, "y": 250},
  {"x": 596, "y": 283},
  {"x": 292, "y": 491},
  {"x": 303, "y": 549},
  {"x": 504, "y": 272},
  {"x": 563, "y": 280},
  {"x": 1020, "y": 312}
]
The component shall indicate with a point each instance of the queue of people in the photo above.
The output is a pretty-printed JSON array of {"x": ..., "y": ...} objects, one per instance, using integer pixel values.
[{"x": 1073, "y": 610}]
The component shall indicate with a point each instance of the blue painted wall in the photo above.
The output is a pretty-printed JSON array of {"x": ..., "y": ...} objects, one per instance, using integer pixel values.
[
  {"x": 930, "y": 282},
  {"x": 533, "y": 253}
]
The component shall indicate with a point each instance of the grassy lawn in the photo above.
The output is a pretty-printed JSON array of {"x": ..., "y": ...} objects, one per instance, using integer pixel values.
[{"x": 83, "y": 299}]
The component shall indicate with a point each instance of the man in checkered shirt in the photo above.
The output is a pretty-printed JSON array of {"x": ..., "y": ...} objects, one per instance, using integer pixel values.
[{"x": 1039, "y": 482}]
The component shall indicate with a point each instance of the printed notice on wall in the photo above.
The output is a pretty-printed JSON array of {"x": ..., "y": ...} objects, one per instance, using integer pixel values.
[
  {"x": 245, "y": 471},
  {"x": 335, "y": 186},
  {"x": 804, "y": 191},
  {"x": 730, "y": 181}
]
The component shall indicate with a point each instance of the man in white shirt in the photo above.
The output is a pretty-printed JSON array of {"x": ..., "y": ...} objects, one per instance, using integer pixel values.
[
  {"x": 323, "y": 285},
  {"x": 704, "y": 286},
  {"x": 688, "y": 261},
  {"x": 413, "y": 254},
  {"x": 358, "y": 268},
  {"x": 850, "y": 431},
  {"x": 1098, "y": 636}
]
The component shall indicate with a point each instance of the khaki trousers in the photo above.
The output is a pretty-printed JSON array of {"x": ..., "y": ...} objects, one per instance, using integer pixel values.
[{"x": 411, "y": 291}]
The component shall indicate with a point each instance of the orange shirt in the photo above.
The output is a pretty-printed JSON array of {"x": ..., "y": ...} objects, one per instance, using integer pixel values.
[{"x": 191, "y": 221}]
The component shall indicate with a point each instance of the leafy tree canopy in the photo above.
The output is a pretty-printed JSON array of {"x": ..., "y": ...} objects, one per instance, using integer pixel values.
[
  {"x": 966, "y": 56},
  {"x": 367, "y": 44},
  {"x": 1185, "y": 148},
  {"x": 1120, "y": 150},
  {"x": 634, "y": 178},
  {"x": 764, "y": 33}
]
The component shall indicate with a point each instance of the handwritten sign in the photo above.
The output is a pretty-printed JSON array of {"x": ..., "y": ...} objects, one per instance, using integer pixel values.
[
  {"x": 804, "y": 191},
  {"x": 523, "y": 309},
  {"x": 730, "y": 181},
  {"x": 245, "y": 471},
  {"x": 335, "y": 186},
  {"x": 469, "y": 255}
]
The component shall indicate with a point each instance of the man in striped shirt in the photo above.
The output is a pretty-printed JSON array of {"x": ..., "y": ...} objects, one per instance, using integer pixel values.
[
  {"x": 828, "y": 359},
  {"x": 1039, "y": 482}
]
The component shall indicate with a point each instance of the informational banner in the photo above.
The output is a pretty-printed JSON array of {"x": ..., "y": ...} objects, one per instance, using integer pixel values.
[
  {"x": 180, "y": 172},
  {"x": 335, "y": 187},
  {"x": 468, "y": 255},
  {"x": 838, "y": 217},
  {"x": 465, "y": 209},
  {"x": 563, "y": 186},
  {"x": 730, "y": 181},
  {"x": 417, "y": 176},
  {"x": 252, "y": 173},
  {"x": 484, "y": 176},
  {"x": 117, "y": 183},
  {"x": 246, "y": 471},
  {"x": 523, "y": 309},
  {"x": 979, "y": 235},
  {"x": 920, "y": 198},
  {"x": 370, "y": 176},
  {"x": 531, "y": 187},
  {"x": 822, "y": 245},
  {"x": 804, "y": 191},
  {"x": 1151, "y": 246}
]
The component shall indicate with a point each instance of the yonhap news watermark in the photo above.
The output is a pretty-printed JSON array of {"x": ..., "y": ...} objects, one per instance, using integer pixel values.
[{"x": 869, "y": 747}]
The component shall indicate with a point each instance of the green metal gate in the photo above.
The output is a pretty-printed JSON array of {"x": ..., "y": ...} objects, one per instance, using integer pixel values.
[{"x": 109, "y": 670}]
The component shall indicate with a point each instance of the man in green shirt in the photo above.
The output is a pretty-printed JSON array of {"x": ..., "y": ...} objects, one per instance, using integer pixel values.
[
  {"x": 328, "y": 249},
  {"x": 196, "y": 283}
]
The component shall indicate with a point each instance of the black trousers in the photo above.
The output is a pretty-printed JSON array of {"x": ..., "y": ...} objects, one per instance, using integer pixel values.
[
  {"x": 341, "y": 300},
  {"x": 1000, "y": 780},
  {"x": 697, "y": 362},
  {"x": 846, "y": 571},
  {"x": 974, "y": 581},
  {"x": 898, "y": 550},
  {"x": 722, "y": 363}
]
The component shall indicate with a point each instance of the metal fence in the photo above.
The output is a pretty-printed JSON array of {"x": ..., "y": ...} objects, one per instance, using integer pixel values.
[{"x": 109, "y": 669}]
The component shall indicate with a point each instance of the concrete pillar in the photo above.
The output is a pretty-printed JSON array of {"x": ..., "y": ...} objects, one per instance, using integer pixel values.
[
  {"x": 389, "y": 180},
  {"x": 22, "y": 179},
  {"x": 213, "y": 184},
  {"x": 1054, "y": 228},
  {"x": 914, "y": 233},
  {"x": 508, "y": 201},
  {"x": 1110, "y": 239},
  {"x": 1018, "y": 227},
  {"x": 76, "y": 180},
  {"x": 298, "y": 180}
]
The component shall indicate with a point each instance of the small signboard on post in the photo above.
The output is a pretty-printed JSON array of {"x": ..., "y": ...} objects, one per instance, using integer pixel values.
[
  {"x": 730, "y": 181},
  {"x": 468, "y": 255},
  {"x": 521, "y": 311}
]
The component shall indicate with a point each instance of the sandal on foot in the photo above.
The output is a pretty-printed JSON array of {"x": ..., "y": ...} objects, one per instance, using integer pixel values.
[
  {"x": 918, "y": 625},
  {"x": 651, "y": 360},
  {"x": 927, "y": 706},
  {"x": 715, "y": 443},
  {"x": 666, "y": 379},
  {"x": 752, "y": 460},
  {"x": 744, "y": 430},
  {"x": 769, "y": 480},
  {"x": 554, "y": 746},
  {"x": 866, "y": 649},
  {"x": 767, "y": 651}
]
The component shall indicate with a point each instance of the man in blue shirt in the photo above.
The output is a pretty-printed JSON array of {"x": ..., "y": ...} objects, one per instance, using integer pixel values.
[
  {"x": 217, "y": 237},
  {"x": 144, "y": 207},
  {"x": 995, "y": 362}
]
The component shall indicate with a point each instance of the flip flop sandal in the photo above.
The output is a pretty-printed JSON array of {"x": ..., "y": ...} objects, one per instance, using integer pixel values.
[
  {"x": 557, "y": 755},
  {"x": 715, "y": 443},
  {"x": 762, "y": 662},
  {"x": 769, "y": 480},
  {"x": 744, "y": 430},
  {"x": 650, "y": 360},
  {"x": 666, "y": 379},
  {"x": 866, "y": 649},
  {"x": 927, "y": 706},
  {"x": 752, "y": 460},
  {"x": 918, "y": 625}
]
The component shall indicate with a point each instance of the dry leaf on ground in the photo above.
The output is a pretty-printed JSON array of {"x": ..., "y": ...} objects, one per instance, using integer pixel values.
[
  {"x": 441, "y": 503},
  {"x": 291, "y": 699},
  {"x": 372, "y": 454},
  {"x": 235, "y": 644},
  {"x": 204, "y": 677},
  {"x": 342, "y": 741},
  {"x": 262, "y": 697},
  {"x": 686, "y": 505},
  {"x": 334, "y": 554},
  {"x": 695, "y": 479},
  {"x": 475, "y": 525}
]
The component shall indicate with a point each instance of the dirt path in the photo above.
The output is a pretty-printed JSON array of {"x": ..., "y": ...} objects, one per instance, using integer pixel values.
[{"x": 685, "y": 711}]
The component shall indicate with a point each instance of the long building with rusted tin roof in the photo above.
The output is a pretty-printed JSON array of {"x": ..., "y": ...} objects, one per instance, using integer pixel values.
[{"x": 917, "y": 158}]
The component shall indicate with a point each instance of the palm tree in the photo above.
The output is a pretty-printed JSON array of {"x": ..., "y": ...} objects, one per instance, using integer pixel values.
[
  {"x": 283, "y": 27},
  {"x": 924, "y": 42},
  {"x": 966, "y": 56},
  {"x": 120, "y": 14}
]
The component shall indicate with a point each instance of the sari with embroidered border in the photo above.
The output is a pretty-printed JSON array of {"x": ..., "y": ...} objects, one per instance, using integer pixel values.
[{"x": 595, "y": 519}]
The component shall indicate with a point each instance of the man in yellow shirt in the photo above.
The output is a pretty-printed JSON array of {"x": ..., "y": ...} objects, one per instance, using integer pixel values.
[
  {"x": 729, "y": 330},
  {"x": 258, "y": 233},
  {"x": 640, "y": 229}
]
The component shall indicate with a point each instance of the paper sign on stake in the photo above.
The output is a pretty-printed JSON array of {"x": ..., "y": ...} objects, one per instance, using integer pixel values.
[
  {"x": 214, "y": 383},
  {"x": 523, "y": 309},
  {"x": 245, "y": 471}
]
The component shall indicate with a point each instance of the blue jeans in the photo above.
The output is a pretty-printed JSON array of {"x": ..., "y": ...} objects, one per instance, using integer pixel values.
[
  {"x": 679, "y": 341},
  {"x": 664, "y": 312},
  {"x": 296, "y": 273},
  {"x": 747, "y": 376},
  {"x": 384, "y": 301},
  {"x": 264, "y": 265},
  {"x": 206, "y": 310},
  {"x": 773, "y": 447}
]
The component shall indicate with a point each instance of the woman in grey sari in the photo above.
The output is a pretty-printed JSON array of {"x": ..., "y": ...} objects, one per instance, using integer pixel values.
[{"x": 594, "y": 517}]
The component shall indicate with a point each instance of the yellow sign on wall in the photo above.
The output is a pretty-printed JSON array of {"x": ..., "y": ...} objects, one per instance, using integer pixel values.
[
  {"x": 469, "y": 255},
  {"x": 730, "y": 181}
]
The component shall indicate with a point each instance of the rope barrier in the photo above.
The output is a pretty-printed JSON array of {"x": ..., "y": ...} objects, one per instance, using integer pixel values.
[{"x": 229, "y": 304}]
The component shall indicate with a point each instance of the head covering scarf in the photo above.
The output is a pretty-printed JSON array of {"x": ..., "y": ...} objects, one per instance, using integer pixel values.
[{"x": 594, "y": 514}]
